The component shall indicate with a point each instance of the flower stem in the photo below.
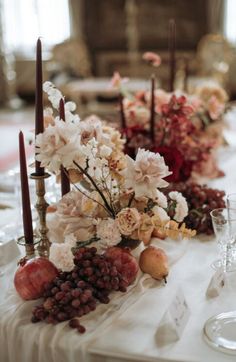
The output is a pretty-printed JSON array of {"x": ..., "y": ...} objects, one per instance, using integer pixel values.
[
  {"x": 131, "y": 199},
  {"x": 108, "y": 207}
]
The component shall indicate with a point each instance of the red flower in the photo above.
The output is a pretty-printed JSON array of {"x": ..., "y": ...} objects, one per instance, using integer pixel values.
[{"x": 181, "y": 169}]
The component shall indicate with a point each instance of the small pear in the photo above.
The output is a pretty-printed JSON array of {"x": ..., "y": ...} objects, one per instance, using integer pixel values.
[{"x": 154, "y": 262}]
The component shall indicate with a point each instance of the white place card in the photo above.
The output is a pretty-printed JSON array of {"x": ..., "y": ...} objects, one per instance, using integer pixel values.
[
  {"x": 179, "y": 312},
  {"x": 174, "y": 320},
  {"x": 216, "y": 284}
]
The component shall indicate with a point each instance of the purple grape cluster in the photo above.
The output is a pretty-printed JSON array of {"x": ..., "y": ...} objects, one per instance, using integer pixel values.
[
  {"x": 76, "y": 293},
  {"x": 201, "y": 201}
]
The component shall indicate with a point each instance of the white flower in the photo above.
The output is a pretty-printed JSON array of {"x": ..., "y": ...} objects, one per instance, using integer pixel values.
[
  {"x": 75, "y": 212},
  {"x": 105, "y": 151},
  {"x": 108, "y": 232},
  {"x": 146, "y": 173},
  {"x": 54, "y": 96},
  {"x": 47, "y": 86},
  {"x": 61, "y": 255},
  {"x": 161, "y": 199},
  {"x": 161, "y": 213},
  {"x": 90, "y": 128},
  {"x": 181, "y": 209},
  {"x": 70, "y": 106},
  {"x": 59, "y": 145}
]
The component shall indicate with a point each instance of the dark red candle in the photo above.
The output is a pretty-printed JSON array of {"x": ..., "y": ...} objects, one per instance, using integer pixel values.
[
  {"x": 27, "y": 216},
  {"x": 39, "y": 126},
  {"x": 152, "y": 109},
  {"x": 65, "y": 183},
  {"x": 122, "y": 112},
  {"x": 186, "y": 74},
  {"x": 172, "y": 60}
]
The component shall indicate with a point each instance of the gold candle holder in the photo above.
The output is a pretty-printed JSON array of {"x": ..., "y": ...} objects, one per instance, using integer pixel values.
[
  {"x": 29, "y": 247},
  {"x": 41, "y": 206}
]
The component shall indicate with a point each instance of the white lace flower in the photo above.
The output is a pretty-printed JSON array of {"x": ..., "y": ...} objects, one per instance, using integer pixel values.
[
  {"x": 61, "y": 255},
  {"x": 108, "y": 232},
  {"x": 161, "y": 199},
  {"x": 145, "y": 174},
  {"x": 181, "y": 209},
  {"x": 59, "y": 144},
  {"x": 105, "y": 151},
  {"x": 161, "y": 213}
]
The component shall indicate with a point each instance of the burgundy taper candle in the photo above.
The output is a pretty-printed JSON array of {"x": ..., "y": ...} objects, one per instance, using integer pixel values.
[
  {"x": 172, "y": 60},
  {"x": 186, "y": 74},
  {"x": 65, "y": 183},
  {"x": 39, "y": 126},
  {"x": 122, "y": 112},
  {"x": 26, "y": 209},
  {"x": 152, "y": 109}
]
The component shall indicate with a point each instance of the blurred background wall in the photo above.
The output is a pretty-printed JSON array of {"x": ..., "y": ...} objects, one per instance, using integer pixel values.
[{"x": 94, "y": 38}]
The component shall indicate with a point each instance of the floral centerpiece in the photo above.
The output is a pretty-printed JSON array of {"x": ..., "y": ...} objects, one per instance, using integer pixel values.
[
  {"x": 187, "y": 128},
  {"x": 116, "y": 200}
]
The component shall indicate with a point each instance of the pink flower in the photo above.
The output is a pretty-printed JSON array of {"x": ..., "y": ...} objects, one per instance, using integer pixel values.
[
  {"x": 117, "y": 80},
  {"x": 152, "y": 58},
  {"x": 195, "y": 102},
  {"x": 215, "y": 108},
  {"x": 128, "y": 220}
]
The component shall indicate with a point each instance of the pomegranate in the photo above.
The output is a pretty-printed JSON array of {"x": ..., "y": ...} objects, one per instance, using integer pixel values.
[
  {"x": 31, "y": 276},
  {"x": 125, "y": 263}
]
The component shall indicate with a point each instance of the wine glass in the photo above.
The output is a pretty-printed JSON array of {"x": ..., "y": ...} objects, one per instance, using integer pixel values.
[
  {"x": 225, "y": 232},
  {"x": 231, "y": 206},
  {"x": 1, "y": 258}
]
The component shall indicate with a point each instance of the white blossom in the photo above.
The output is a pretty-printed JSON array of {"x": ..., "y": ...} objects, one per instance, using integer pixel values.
[
  {"x": 146, "y": 173},
  {"x": 108, "y": 232},
  {"x": 181, "y": 209},
  {"x": 59, "y": 145},
  {"x": 161, "y": 213},
  {"x": 61, "y": 254}
]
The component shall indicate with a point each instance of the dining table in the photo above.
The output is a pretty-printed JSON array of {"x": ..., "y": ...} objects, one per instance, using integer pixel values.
[{"x": 134, "y": 326}]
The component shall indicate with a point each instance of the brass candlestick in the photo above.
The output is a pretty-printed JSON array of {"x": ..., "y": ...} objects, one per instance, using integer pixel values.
[
  {"x": 41, "y": 206},
  {"x": 29, "y": 247}
]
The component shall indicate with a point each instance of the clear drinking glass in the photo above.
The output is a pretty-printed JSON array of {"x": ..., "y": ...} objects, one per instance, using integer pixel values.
[
  {"x": 231, "y": 206},
  {"x": 1, "y": 259},
  {"x": 225, "y": 231}
]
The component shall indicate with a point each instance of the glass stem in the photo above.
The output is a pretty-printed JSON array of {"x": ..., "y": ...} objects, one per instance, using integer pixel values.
[{"x": 226, "y": 257}]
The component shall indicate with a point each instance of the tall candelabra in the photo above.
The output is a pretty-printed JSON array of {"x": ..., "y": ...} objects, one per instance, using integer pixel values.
[{"x": 41, "y": 206}]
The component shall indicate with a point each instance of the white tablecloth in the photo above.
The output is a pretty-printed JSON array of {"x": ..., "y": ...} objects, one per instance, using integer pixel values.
[{"x": 126, "y": 328}]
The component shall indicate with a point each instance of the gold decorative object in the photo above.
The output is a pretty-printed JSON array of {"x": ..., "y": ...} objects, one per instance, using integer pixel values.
[
  {"x": 41, "y": 206},
  {"x": 29, "y": 248},
  {"x": 214, "y": 55}
]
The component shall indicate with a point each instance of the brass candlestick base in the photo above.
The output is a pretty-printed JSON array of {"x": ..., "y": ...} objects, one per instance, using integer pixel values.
[
  {"x": 41, "y": 206},
  {"x": 29, "y": 248}
]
